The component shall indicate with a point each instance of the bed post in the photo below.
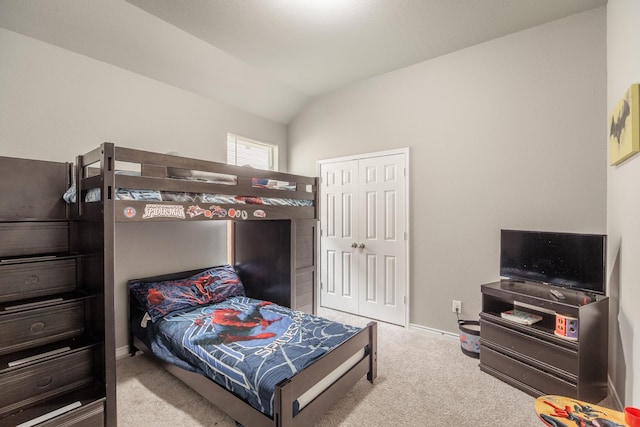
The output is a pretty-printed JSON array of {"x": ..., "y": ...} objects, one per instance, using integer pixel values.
[
  {"x": 373, "y": 352},
  {"x": 77, "y": 180},
  {"x": 107, "y": 162},
  {"x": 283, "y": 405}
]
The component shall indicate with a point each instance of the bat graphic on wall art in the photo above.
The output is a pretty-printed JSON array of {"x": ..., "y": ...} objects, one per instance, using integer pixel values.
[
  {"x": 617, "y": 123},
  {"x": 624, "y": 131}
]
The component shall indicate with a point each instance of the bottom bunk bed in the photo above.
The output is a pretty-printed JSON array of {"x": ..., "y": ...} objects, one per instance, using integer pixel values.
[{"x": 261, "y": 363}]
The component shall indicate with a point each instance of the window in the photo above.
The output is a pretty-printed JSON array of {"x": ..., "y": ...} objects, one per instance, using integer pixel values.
[{"x": 247, "y": 152}]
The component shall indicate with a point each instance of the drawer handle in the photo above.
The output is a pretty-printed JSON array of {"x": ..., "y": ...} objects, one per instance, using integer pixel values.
[
  {"x": 37, "y": 327},
  {"x": 44, "y": 381},
  {"x": 31, "y": 280}
]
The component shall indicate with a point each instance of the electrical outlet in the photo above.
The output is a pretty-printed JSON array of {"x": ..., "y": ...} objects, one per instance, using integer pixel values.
[{"x": 456, "y": 307}]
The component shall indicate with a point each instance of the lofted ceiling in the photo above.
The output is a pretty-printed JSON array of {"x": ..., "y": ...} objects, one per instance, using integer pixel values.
[{"x": 270, "y": 57}]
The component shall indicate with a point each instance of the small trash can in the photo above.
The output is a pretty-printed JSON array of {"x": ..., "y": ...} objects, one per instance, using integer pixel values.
[{"x": 470, "y": 337}]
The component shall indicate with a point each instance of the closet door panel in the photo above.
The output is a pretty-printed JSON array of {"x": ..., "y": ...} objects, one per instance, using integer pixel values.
[
  {"x": 382, "y": 251},
  {"x": 339, "y": 252}
]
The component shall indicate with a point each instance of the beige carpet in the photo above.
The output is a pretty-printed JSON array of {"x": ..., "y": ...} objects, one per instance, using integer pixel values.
[{"x": 423, "y": 380}]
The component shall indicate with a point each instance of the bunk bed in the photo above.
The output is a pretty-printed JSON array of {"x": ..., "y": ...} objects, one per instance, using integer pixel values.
[{"x": 119, "y": 185}]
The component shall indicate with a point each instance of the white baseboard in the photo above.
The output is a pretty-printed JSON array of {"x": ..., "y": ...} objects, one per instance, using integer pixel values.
[
  {"x": 614, "y": 395},
  {"x": 122, "y": 352},
  {"x": 434, "y": 331}
]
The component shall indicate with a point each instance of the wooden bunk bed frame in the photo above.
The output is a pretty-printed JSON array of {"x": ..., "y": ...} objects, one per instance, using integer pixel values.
[{"x": 97, "y": 168}]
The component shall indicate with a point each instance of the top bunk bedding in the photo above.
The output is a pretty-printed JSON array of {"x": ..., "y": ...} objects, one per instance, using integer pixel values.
[{"x": 146, "y": 186}]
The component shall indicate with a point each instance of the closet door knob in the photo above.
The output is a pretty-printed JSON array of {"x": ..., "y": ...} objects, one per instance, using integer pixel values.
[
  {"x": 354, "y": 245},
  {"x": 361, "y": 246}
]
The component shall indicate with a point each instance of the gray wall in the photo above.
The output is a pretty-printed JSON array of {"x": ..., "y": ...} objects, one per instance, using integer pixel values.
[
  {"x": 55, "y": 104},
  {"x": 506, "y": 134},
  {"x": 623, "y": 208}
]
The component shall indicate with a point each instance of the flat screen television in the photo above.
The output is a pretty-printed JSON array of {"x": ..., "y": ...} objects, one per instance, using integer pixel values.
[{"x": 570, "y": 260}]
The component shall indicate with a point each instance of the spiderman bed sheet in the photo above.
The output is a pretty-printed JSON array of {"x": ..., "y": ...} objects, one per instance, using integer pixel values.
[{"x": 206, "y": 325}]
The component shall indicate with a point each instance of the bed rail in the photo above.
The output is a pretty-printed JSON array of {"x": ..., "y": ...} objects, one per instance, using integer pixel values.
[
  {"x": 189, "y": 189},
  {"x": 288, "y": 392}
]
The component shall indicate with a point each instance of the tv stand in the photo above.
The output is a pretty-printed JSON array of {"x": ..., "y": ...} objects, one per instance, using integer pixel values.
[{"x": 531, "y": 357}]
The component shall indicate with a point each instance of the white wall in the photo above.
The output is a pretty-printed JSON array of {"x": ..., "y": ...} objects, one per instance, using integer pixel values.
[
  {"x": 55, "y": 104},
  {"x": 623, "y": 207},
  {"x": 506, "y": 134}
]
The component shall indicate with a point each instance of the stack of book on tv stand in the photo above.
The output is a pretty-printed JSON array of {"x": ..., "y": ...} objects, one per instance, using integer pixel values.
[{"x": 521, "y": 316}]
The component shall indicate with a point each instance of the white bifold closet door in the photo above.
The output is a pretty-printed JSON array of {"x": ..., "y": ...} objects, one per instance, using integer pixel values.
[{"x": 363, "y": 240}]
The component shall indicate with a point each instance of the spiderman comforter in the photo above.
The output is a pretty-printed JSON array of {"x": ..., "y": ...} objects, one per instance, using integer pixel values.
[{"x": 246, "y": 345}]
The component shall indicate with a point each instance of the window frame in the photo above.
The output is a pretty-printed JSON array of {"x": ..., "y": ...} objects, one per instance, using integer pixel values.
[{"x": 237, "y": 140}]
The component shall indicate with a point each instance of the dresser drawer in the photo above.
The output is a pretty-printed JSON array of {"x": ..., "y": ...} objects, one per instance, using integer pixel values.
[
  {"x": 26, "y": 329},
  {"x": 22, "y": 281},
  {"x": 554, "y": 355},
  {"x": 526, "y": 374},
  {"x": 31, "y": 384},
  {"x": 91, "y": 415},
  {"x": 33, "y": 238}
]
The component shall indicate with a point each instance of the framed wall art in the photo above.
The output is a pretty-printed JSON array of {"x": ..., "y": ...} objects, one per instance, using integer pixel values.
[{"x": 624, "y": 127}]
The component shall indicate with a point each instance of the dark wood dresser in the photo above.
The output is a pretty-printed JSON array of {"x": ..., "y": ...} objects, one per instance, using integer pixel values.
[
  {"x": 53, "y": 364},
  {"x": 533, "y": 357}
]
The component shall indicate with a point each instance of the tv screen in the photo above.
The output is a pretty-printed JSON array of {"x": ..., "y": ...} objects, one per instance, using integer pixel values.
[{"x": 570, "y": 260}]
